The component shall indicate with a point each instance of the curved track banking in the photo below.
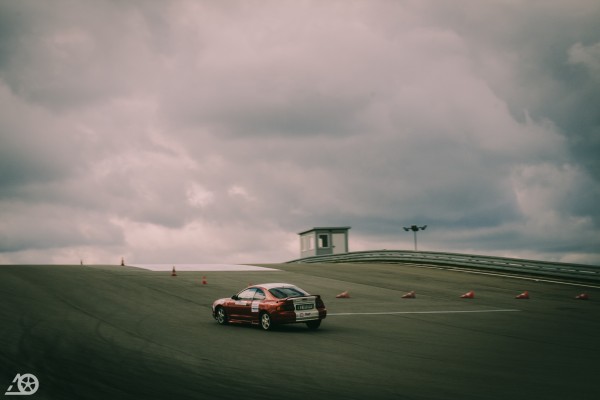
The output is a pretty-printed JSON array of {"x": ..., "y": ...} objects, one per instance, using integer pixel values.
[{"x": 124, "y": 333}]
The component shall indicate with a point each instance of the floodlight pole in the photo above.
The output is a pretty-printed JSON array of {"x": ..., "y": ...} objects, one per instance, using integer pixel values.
[
  {"x": 415, "y": 229},
  {"x": 415, "y": 236}
]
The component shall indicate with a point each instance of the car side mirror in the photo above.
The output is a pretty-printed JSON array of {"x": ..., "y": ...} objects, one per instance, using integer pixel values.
[{"x": 235, "y": 297}]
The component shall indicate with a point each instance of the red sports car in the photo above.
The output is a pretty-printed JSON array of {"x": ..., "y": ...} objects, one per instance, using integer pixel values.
[{"x": 271, "y": 304}]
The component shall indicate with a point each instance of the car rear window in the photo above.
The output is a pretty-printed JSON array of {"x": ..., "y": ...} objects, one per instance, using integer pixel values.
[{"x": 283, "y": 292}]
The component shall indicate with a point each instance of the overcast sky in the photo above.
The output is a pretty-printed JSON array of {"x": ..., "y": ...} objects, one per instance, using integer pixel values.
[{"x": 215, "y": 131}]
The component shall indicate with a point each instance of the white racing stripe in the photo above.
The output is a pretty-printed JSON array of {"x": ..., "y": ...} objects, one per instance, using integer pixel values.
[{"x": 422, "y": 312}]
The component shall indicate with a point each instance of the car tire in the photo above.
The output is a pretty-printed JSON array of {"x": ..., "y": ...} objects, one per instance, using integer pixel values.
[
  {"x": 221, "y": 316},
  {"x": 265, "y": 322},
  {"x": 314, "y": 324}
]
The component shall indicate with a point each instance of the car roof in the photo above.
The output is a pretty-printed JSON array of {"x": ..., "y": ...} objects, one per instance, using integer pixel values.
[{"x": 269, "y": 286}]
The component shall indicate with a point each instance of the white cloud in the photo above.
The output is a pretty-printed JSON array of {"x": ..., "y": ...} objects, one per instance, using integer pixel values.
[
  {"x": 198, "y": 196},
  {"x": 240, "y": 192}
]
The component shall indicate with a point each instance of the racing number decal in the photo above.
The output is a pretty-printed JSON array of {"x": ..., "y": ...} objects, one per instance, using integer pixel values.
[{"x": 255, "y": 306}]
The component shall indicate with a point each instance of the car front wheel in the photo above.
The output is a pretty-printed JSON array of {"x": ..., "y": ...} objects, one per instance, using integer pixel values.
[
  {"x": 221, "y": 316},
  {"x": 265, "y": 322}
]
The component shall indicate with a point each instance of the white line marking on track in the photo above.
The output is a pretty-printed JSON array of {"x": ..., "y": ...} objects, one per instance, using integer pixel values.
[{"x": 423, "y": 312}]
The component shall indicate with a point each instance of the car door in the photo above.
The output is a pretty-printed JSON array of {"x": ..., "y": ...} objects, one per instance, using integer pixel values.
[
  {"x": 259, "y": 296},
  {"x": 240, "y": 308}
]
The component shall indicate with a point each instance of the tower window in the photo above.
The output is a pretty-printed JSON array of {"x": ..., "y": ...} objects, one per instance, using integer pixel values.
[{"x": 323, "y": 240}]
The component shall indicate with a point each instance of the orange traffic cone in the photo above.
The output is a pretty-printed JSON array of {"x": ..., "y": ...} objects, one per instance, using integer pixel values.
[
  {"x": 469, "y": 295},
  {"x": 343, "y": 295},
  {"x": 204, "y": 282},
  {"x": 524, "y": 295},
  {"x": 173, "y": 273},
  {"x": 410, "y": 295},
  {"x": 582, "y": 296}
]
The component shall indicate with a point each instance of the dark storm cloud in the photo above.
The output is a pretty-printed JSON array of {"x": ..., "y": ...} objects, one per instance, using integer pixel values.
[
  {"x": 44, "y": 226},
  {"x": 551, "y": 46},
  {"x": 67, "y": 54},
  {"x": 36, "y": 147},
  {"x": 201, "y": 131}
]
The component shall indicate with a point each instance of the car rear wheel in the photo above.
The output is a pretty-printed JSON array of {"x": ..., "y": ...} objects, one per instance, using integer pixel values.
[
  {"x": 265, "y": 322},
  {"x": 221, "y": 316},
  {"x": 314, "y": 324}
]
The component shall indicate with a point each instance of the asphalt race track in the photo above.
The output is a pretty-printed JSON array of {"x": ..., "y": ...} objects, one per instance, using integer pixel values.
[{"x": 105, "y": 332}]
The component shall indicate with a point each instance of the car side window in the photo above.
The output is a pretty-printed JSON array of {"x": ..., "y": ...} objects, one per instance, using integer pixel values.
[
  {"x": 259, "y": 295},
  {"x": 247, "y": 294}
]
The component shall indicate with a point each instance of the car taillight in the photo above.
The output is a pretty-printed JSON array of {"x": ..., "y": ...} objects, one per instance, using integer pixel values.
[
  {"x": 287, "y": 306},
  {"x": 320, "y": 303}
]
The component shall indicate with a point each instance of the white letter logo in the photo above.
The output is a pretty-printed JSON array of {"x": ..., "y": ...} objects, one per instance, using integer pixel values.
[{"x": 26, "y": 384}]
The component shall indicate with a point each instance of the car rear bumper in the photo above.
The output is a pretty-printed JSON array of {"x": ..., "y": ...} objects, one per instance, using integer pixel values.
[{"x": 291, "y": 317}]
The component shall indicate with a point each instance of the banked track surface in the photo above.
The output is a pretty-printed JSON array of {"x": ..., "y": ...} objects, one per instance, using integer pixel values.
[{"x": 576, "y": 272}]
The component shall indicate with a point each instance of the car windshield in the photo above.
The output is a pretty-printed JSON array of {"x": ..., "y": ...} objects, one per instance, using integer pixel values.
[{"x": 283, "y": 292}]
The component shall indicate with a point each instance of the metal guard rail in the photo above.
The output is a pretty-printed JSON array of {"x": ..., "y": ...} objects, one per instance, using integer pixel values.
[{"x": 580, "y": 272}]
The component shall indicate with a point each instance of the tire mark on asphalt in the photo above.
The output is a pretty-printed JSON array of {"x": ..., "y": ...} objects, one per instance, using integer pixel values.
[
  {"x": 130, "y": 332},
  {"x": 493, "y": 333},
  {"x": 420, "y": 312}
]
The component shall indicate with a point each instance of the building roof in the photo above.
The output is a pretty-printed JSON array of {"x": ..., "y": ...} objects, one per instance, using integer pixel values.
[{"x": 325, "y": 228}]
